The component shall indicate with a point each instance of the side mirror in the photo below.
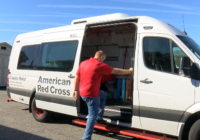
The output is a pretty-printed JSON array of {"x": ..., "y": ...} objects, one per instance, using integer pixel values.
[
  {"x": 195, "y": 71},
  {"x": 185, "y": 67}
]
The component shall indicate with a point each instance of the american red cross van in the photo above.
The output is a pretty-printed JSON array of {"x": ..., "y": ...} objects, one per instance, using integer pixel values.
[{"x": 162, "y": 96}]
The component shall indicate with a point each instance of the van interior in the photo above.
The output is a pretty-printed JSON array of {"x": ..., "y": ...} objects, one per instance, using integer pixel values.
[{"x": 117, "y": 40}]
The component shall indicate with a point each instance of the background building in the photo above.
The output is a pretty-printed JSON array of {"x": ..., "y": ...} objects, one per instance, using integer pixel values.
[{"x": 5, "y": 50}]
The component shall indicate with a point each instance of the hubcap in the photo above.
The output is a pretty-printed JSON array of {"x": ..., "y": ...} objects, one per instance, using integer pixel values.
[{"x": 39, "y": 112}]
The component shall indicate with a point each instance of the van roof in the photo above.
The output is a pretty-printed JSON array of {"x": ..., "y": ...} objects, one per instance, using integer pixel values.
[
  {"x": 160, "y": 26},
  {"x": 138, "y": 19},
  {"x": 100, "y": 18}
]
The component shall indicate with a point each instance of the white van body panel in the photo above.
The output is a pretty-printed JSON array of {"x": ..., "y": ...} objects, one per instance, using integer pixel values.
[
  {"x": 57, "y": 107},
  {"x": 157, "y": 26},
  {"x": 19, "y": 81},
  {"x": 197, "y": 91},
  {"x": 23, "y": 81},
  {"x": 193, "y": 109},
  {"x": 160, "y": 126},
  {"x": 136, "y": 123},
  {"x": 19, "y": 98}
]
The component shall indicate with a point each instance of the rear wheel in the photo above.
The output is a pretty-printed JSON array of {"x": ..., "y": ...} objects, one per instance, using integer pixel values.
[
  {"x": 39, "y": 114},
  {"x": 194, "y": 133}
]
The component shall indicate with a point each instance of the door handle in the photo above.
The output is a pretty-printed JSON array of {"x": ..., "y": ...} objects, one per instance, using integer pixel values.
[
  {"x": 132, "y": 60},
  {"x": 71, "y": 76},
  {"x": 146, "y": 81}
]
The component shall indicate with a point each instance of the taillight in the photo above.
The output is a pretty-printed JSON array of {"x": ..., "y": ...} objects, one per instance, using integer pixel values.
[
  {"x": 8, "y": 71},
  {"x": 8, "y": 78},
  {"x": 7, "y": 82}
]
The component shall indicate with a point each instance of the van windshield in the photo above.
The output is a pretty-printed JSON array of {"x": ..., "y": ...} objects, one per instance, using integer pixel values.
[{"x": 191, "y": 44}]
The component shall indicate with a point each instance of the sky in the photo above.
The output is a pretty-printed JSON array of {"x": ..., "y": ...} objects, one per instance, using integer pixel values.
[{"x": 21, "y": 16}]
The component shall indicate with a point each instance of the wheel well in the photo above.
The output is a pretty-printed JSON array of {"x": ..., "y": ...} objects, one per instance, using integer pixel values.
[
  {"x": 30, "y": 101},
  {"x": 188, "y": 124}
]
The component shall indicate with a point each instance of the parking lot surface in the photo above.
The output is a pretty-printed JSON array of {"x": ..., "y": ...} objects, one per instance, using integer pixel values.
[{"x": 16, "y": 123}]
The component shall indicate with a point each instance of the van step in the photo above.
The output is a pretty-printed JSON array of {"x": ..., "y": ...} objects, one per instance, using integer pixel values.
[
  {"x": 122, "y": 131},
  {"x": 114, "y": 115},
  {"x": 118, "y": 109},
  {"x": 118, "y": 115}
]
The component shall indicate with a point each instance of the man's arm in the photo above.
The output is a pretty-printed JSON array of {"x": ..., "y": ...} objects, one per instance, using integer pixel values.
[
  {"x": 118, "y": 71},
  {"x": 76, "y": 82}
]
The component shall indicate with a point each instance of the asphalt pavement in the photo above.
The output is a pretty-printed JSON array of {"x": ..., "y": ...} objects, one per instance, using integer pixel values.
[{"x": 16, "y": 123}]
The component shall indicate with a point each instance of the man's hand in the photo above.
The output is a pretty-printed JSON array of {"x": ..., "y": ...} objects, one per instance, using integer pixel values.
[
  {"x": 75, "y": 94},
  {"x": 131, "y": 70},
  {"x": 76, "y": 82}
]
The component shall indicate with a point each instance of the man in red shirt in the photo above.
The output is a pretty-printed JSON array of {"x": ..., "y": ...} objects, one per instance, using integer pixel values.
[{"x": 89, "y": 74}]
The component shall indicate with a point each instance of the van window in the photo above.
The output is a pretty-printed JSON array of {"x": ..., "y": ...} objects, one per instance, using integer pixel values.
[
  {"x": 177, "y": 54},
  {"x": 57, "y": 56},
  {"x": 28, "y": 57},
  {"x": 191, "y": 44},
  {"x": 157, "y": 53}
]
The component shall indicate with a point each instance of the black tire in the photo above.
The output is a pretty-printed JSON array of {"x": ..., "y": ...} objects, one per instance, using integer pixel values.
[
  {"x": 194, "y": 133},
  {"x": 39, "y": 114}
]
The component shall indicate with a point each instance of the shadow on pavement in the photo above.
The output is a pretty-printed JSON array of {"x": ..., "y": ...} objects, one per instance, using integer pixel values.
[
  {"x": 7, "y": 133},
  {"x": 114, "y": 135},
  {"x": 3, "y": 88}
]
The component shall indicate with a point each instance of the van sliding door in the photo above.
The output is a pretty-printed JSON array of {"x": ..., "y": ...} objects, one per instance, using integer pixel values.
[{"x": 58, "y": 63}]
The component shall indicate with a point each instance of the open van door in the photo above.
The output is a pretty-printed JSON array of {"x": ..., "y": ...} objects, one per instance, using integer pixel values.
[
  {"x": 58, "y": 61},
  {"x": 117, "y": 39}
]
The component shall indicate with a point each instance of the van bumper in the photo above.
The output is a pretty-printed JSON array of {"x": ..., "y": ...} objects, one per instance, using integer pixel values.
[{"x": 8, "y": 92}]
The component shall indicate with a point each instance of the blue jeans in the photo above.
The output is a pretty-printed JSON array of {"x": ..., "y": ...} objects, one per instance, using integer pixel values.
[
  {"x": 103, "y": 97},
  {"x": 95, "y": 111}
]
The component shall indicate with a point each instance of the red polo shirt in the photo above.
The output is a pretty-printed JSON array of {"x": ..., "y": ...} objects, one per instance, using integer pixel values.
[{"x": 90, "y": 72}]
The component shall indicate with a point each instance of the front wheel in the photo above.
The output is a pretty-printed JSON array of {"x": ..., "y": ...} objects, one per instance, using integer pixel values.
[
  {"x": 194, "y": 133},
  {"x": 39, "y": 114}
]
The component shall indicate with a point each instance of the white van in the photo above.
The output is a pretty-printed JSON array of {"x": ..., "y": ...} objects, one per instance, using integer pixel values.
[{"x": 164, "y": 92}]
